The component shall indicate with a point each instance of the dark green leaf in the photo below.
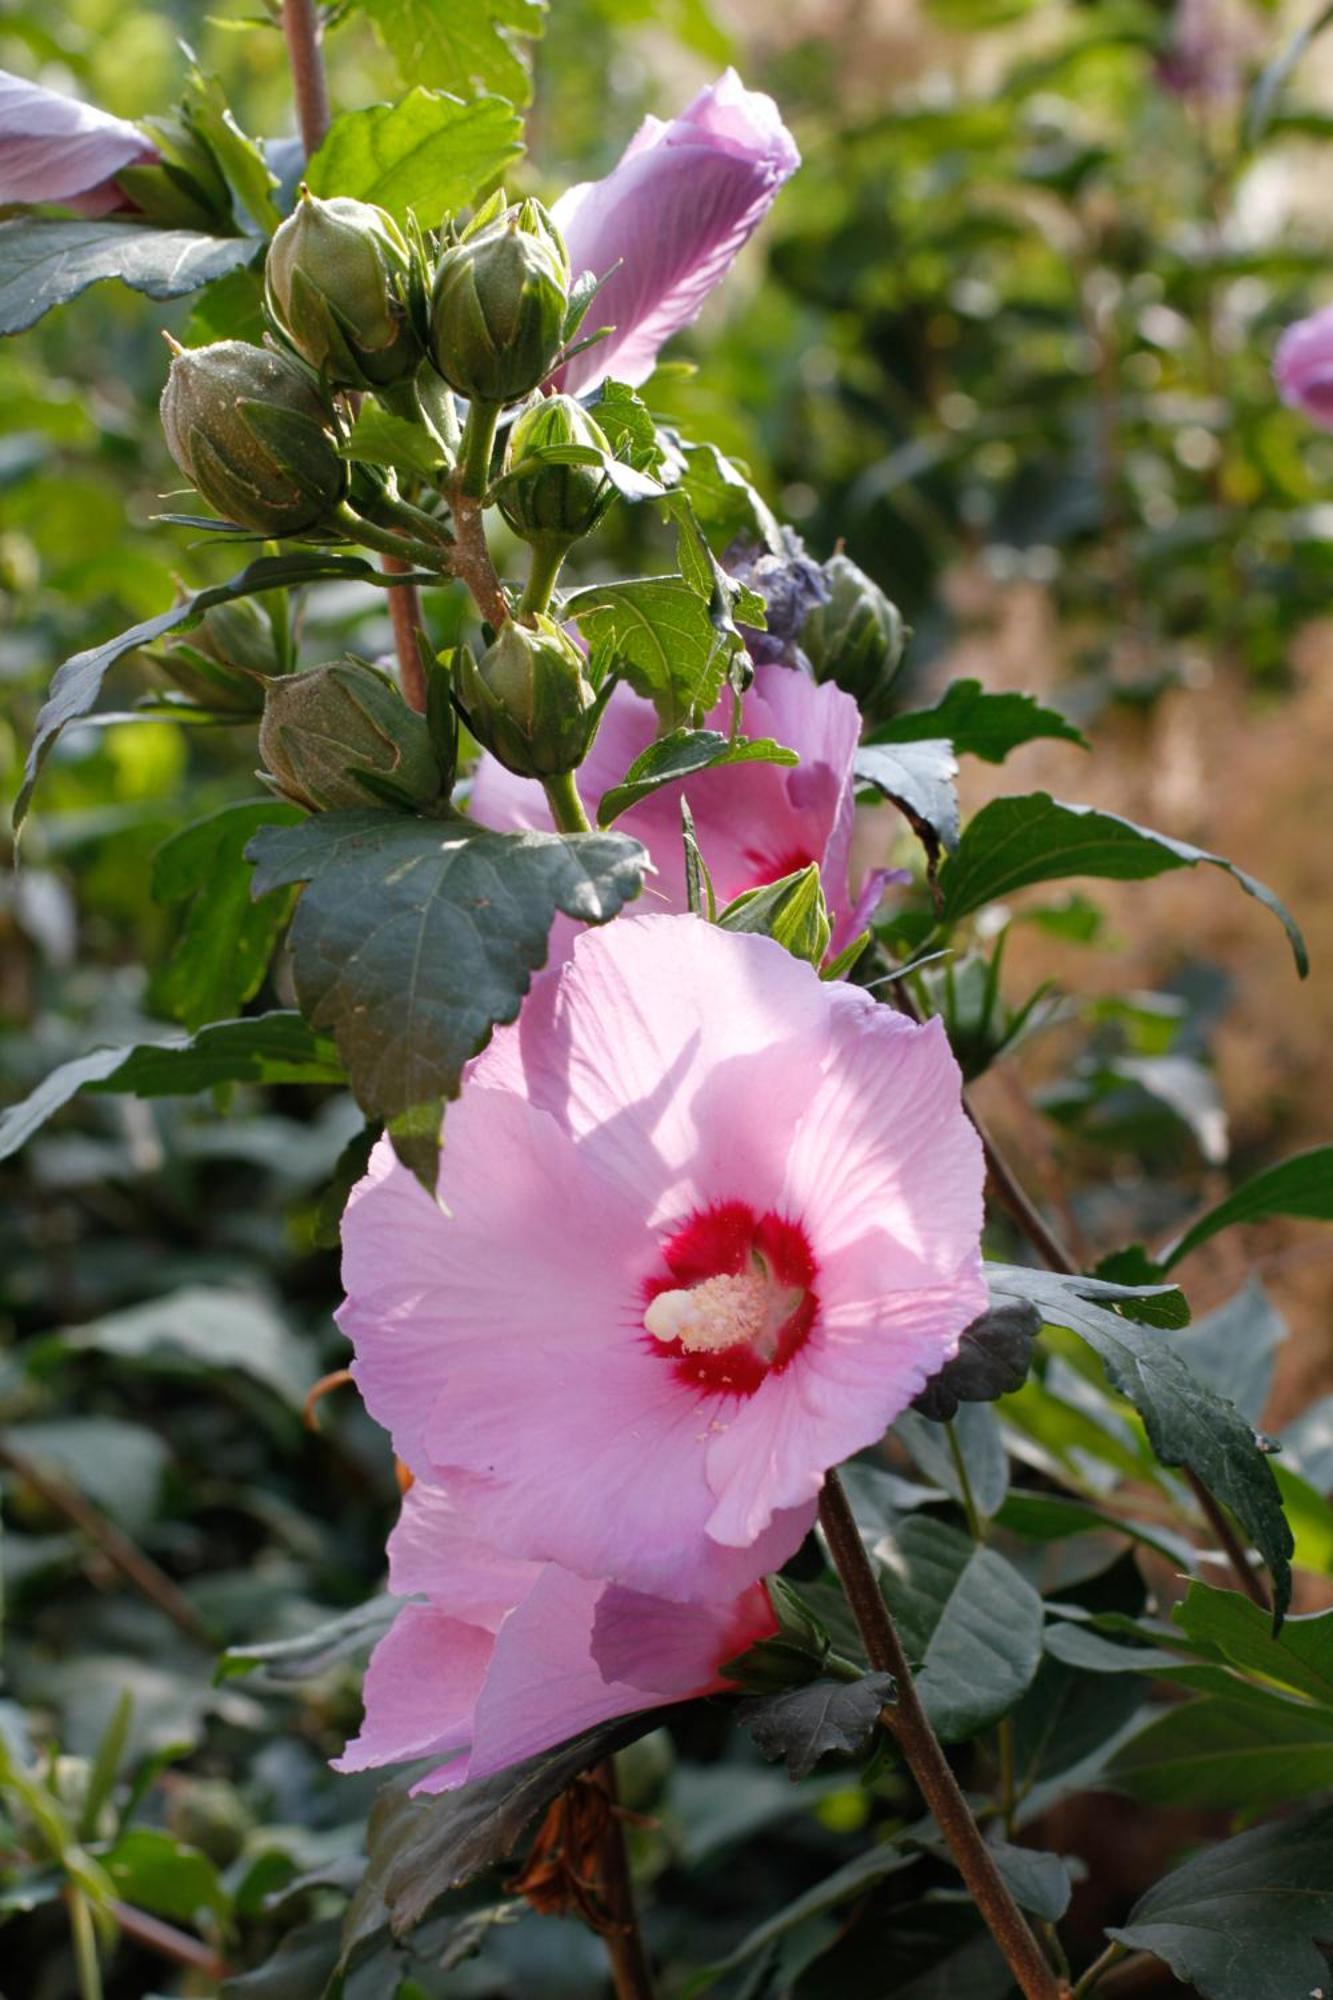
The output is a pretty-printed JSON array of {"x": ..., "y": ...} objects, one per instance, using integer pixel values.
[
  {"x": 1233, "y": 1349},
  {"x": 1013, "y": 842},
  {"x": 429, "y": 152},
  {"x": 918, "y": 778},
  {"x": 78, "y": 682},
  {"x": 348, "y": 1637},
  {"x": 993, "y": 1358},
  {"x": 1241, "y": 1752},
  {"x": 1300, "y": 1658},
  {"x": 1186, "y": 1423},
  {"x": 968, "y": 1621},
  {"x": 1301, "y": 1186},
  {"x": 825, "y": 1717},
  {"x": 389, "y": 950},
  {"x": 662, "y": 638},
  {"x": 204, "y": 1326},
  {"x": 1067, "y": 1725},
  {"x": 1247, "y": 1920},
  {"x": 470, "y": 46},
  {"x": 300, "y": 1968},
  {"x": 979, "y": 724},
  {"x": 851, "y": 1880},
  {"x": 44, "y": 264},
  {"x": 221, "y": 953},
  {"x": 680, "y": 755}
]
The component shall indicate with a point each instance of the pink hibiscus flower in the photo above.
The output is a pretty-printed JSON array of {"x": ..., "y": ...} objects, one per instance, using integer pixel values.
[
  {"x": 705, "y": 1225},
  {"x": 668, "y": 220},
  {"x": 507, "y": 1658},
  {"x": 755, "y": 822},
  {"x": 54, "y": 148}
]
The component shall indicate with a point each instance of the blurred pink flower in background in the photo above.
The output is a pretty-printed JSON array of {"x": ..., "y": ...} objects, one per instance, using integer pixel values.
[
  {"x": 1209, "y": 45},
  {"x": 755, "y": 822},
  {"x": 672, "y": 214},
  {"x": 506, "y": 1658},
  {"x": 706, "y": 1224},
  {"x": 53, "y": 148},
  {"x": 1303, "y": 367}
]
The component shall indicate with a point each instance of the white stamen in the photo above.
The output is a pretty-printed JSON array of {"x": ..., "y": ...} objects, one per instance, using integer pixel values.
[{"x": 720, "y": 1312}]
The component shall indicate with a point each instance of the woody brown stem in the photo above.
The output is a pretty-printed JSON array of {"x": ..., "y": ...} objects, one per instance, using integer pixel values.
[
  {"x": 630, "y": 1971},
  {"x": 406, "y": 618},
  {"x": 304, "y": 32}
]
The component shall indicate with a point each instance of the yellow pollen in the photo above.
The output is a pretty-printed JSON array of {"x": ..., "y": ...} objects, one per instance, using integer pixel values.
[{"x": 720, "y": 1312}]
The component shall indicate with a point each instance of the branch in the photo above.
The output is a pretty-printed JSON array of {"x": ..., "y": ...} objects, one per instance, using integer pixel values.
[
  {"x": 630, "y": 1972},
  {"x": 304, "y": 30}
]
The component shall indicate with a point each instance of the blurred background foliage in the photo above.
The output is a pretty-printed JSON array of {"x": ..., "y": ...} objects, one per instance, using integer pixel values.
[{"x": 1007, "y": 336}]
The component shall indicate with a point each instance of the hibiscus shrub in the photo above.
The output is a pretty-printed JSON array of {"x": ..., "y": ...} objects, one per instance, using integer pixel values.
[{"x": 621, "y": 968}]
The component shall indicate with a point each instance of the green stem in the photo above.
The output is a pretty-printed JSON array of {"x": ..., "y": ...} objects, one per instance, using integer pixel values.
[
  {"x": 411, "y": 553},
  {"x": 1111, "y": 1956},
  {"x": 975, "y": 1525},
  {"x": 84, "y": 1939},
  {"x": 474, "y": 461},
  {"x": 562, "y": 795},
  {"x": 547, "y": 556}
]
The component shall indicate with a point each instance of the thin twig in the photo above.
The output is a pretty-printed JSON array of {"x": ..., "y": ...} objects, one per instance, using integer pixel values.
[
  {"x": 304, "y": 30},
  {"x": 630, "y": 1971},
  {"x": 125, "y": 1555},
  {"x": 167, "y": 1941},
  {"x": 907, "y": 1722},
  {"x": 407, "y": 620},
  {"x": 1111, "y": 1956}
]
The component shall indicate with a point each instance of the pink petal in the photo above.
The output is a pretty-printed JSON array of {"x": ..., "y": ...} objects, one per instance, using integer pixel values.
[
  {"x": 675, "y": 1649},
  {"x": 53, "y": 148},
  {"x": 1303, "y": 367},
  {"x": 672, "y": 215},
  {"x": 421, "y": 1687},
  {"x": 437, "y": 1550}
]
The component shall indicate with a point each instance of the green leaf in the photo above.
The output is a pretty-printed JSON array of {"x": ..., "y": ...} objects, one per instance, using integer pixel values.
[
  {"x": 1016, "y": 841},
  {"x": 283, "y": 1661},
  {"x": 918, "y": 779},
  {"x": 976, "y": 1433},
  {"x": 853, "y": 1879},
  {"x": 723, "y": 499},
  {"x": 267, "y": 1048},
  {"x": 240, "y": 157},
  {"x": 1233, "y": 1348},
  {"x": 1246, "y": 1920},
  {"x": 1186, "y": 1423},
  {"x": 663, "y": 640},
  {"x": 680, "y": 755},
  {"x": 155, "y": 1871},
  {"x": 204, "y": 1326},
  {"x": 389, "y": 954},
  {"x": 993, "y": 1358},
  {"x": 378, "y": 437},
  {"x": 221, "y": 953},
  {"x": 979, "y": 724},
  {"x": 420, "y": 1849},
  {"x": 467, "y": 47},
  {"x": 1066, "y": 1727},
  {"x": 824, "y": 1718},
  {"x": 1241, "y": 1752},
  {"x": 1300, "y": 1658},
  {"x": 1302, "y": 1186},
  {"x": 429, "y": 152},
  {"x": 45, "y": 264},
  {"x": 967, "y": 1619},
  {"x": 117, "y": 1464},
  {"x": 78, "y": 682}
]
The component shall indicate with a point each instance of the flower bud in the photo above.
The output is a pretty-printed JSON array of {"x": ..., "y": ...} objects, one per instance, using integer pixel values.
[
  {"x": 498, "y": 307},
  {"x": 528, "y": 700},
  {"x": 251, "y": 431},
  {"x": 554, "y": 502},
  {"x": 341, "y": 736},
  {"x": 184, "y": 187},
  {"x": 857, "y": 637},
  {"x": 223, "y": 663},
  {"x": 338, "y": 283}
]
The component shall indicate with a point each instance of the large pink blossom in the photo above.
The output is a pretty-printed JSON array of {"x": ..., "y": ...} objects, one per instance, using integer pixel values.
[
  {"x": 505, "y": 1658},
  {"x": 668, "y": 220},
  {"x": 53, "y": 148},
  {"x": 755, "y": 822},
  {"x": 1303, "y": 367},
  {"x": 705, "y": 1225}
]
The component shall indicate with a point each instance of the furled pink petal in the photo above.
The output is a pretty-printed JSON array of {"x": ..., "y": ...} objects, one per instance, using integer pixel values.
[
  {"x": 437, "y": 1550},
  {"x": 755, "y": 822},
  {"x": 1303, "y": 367},
  {"x": 53, "y": 148},
  {"x": 671, "y": 217},
  {"x": 552, "y": 1664},
  {"x": 685, "y": 1115}
]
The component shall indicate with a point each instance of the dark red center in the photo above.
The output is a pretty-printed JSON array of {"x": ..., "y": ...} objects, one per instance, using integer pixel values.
[
  {"x": 767, "y": 868},
  {"x": 730, "y": 1240}
]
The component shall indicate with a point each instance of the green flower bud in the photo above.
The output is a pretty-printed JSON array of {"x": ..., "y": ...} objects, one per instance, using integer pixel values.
[
  {"x": 339, "y": 282},
  {"x": 556, "y": 503},
  {"x": 184, "y": 189},
  {"x": 498, "y": 307},
  {"x": 791, "y": 910},
  {"x": 248, "y": 427},
  {"x": 341, "y": 735},
  {"x": 224, "y": 661},
  {"x": 857, "y": 638},
  {"x": 529, "y": 700}
]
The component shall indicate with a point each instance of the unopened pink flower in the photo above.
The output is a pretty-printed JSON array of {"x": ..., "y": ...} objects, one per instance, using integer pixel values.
[
  {"x": 755, "y": 822},
  {"x": 705, "y": 1225},
  {"x": 1303, "y": 367},
  {"x": 671, "y": 215},
  {"x": 504, "y": 1659},
  {"x": 53, "y": 148}
]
